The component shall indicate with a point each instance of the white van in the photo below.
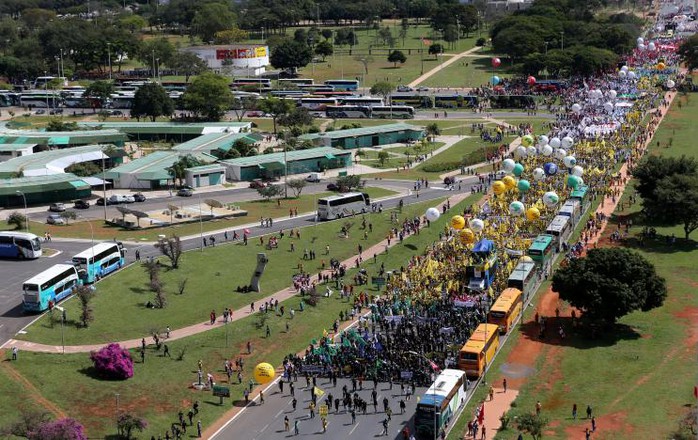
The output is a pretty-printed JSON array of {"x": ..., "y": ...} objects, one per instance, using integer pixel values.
[{"x": 313, "y": 177}]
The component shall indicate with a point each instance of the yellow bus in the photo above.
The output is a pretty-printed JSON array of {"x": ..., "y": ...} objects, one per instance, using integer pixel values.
[
  {"x": 479, "y": 350},
  {"x": 506, "y": 310}
]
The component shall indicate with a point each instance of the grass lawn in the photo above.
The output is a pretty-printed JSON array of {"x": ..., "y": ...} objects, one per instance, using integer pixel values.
[
  {"x": 255, "y": 209},
  {"x": 127, "y": 291},
  {"x": 476, "y": 73},
  {"x": 160, "y": 386},
  {"x": 640, "y": 377}
]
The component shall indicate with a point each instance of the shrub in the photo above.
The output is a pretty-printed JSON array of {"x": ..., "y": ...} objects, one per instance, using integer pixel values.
[
  {"x": 62, "y": 429},
  {"x": 113, "y": 362},
  {"x": 481, "y": 41}
]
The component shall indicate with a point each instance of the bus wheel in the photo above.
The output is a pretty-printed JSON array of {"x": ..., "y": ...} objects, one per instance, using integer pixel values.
[{"x": 363, "y": 210}]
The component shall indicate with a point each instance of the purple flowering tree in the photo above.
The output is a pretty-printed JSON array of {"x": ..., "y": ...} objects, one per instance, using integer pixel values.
[
  {"x": 62, "y": 429},
  {"x": 113, "y": 362}
]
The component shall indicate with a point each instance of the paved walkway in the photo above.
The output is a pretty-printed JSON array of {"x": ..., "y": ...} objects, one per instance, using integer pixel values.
[{"x": 443, "y": 65}]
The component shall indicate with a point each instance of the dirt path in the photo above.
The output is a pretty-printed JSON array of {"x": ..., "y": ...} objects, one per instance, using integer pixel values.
[{"x": 31, "y": 391}]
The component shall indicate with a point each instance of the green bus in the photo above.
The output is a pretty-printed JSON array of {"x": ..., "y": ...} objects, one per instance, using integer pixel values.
[
  {"x": 581, "y": 194},
  {"x": 412, "y": 99},
  {"x": 542, "y": 249}
]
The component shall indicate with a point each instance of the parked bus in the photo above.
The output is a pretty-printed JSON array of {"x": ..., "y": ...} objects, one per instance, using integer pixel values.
[
  {"x": 479, "y": 350},
  {"x": 506, "y": 309},
  {"x": 121, "y": 101},
  {"x": 284, "y": 93},
  {"x": 22, "y": 245},
  {"x": 8, "y": 99},
  {"x": 347, "y": 111},
  {"x": 542, "y": 249},
  {"x": 51, "y": 285},
  {"x": 294, "y": 81},
  {"x": 581, "y": 194},
  {"x": 343, "y": 84},
  {"x": 523, "y": 277},
  {"x": 368, "y": 101},
  {"x": 412, "y": 99},
  {"x": 99, "y": 261},
  {"x": 333, "y": 93},
  {"x": 560, "y": 228},
  {"x": 261, "y": 83},
  {"x": 316, "y": 103},
  {"x": 342, "y": 205},
  {"x": 439, "y": 403},
  {"x": 455, "y": 101},
  {"x": 392, "y": 112},
  {"x": 40, "y": 99},
  {"x": 571, "y": 208},
  {"x": 313, "y": 88}
]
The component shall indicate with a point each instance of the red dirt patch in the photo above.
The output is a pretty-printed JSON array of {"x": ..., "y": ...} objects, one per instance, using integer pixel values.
[
  {"x": 607, "y": 427},
  {"x": 31, "y": 391},
  {"x": 690, "y": 314}
]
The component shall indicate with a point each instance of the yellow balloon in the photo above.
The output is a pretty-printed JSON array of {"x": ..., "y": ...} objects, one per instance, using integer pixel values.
[
  {"x": 498, "y": 187},
  {"x": 532, "y": 213},
  {"x": 661, "y": 66},
  {"x": 509, "y": 182},
  {"x": 467, "y": 236},
  {"x": 527, "y": 259},
  {"x": 457, "y": 222},
  {"x": 263, "y": 373}
]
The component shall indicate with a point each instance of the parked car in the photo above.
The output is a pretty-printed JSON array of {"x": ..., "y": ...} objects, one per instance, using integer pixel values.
[
  {"x": 56, "y": 111},
  {"x": 422, "y": 89},
  {"x": 139, "y": 197},
  {"x": 332, "y": 187},
  {"x": 117, "y": 113},
  {"x": 115, "y": 199},
  {"x": 185, "y": 192},
  {"x": 313, "y": 177},
  {"x": 256, "y": 184},
  {"x": 56, "y": 207},
  {"x": 402, "y": 88},
  {"x": 55, "y": 219},
  {"x": 129, "y": 199},
  {"x": 40, "y": 112},
  {"x": 82, "y": 204}
]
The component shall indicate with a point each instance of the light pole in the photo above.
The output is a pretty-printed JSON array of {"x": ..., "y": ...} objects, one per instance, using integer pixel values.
[
  {"x": 46, "y": 90},
  {"x": 62, "y": 310},
  {"x": 153, "y": 52},
  {"x": 201, "y": 224},
  {"x": 436, "y": 431},
  {"x": 562, "y": 40},
  {"x": 104, "y": 189},
  {"x": 109, "y": 58},
  {"x": 26, "y": 219},
  {"x": 117, "y": 411}
]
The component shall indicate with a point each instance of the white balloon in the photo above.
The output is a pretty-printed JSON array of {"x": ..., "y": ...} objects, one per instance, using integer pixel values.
[
  {"x": 577, "y": 171},
  {"x": 476, "y": 225},
  {"x": 670, "y": 84},
  {"x": 624, "y": 69},
  {"x": 555, "y": 142},
  {"x": 550, "y": 199},
  {"x": 642, "y": 47},
  {"x": 567, "y": 142},
  {"x": 569, "y": 161},
  {"x": 520, "y": 151},
  {"x": 543, "y": 140},
  {"x": 612, "y": 94},
  {"x": 622, "y": 74},
  {"x": 651, "y": 46},
  {"x": 531, "y": 151},
  {"x": 576, "y": 108},
  {"x": 632, "y": 75},
  {"x": 508, "y": 165},
  {"x": 433, "y": 214},
  {"x": 538, "y": 174},
  {"x": 608, "y": 107},
  {"x": 516, "y": 208},
  {"x": 560, "y": 153},
  {"x": 547, "y": 150},
  {"x": 640, "y": 40}
]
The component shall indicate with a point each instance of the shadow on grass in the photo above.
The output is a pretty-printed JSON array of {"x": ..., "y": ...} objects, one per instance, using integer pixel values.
[
  {"x": 581, "y": 337},
  {"x": 92, "y": 373},
  {"x": 660, "y": 244}
]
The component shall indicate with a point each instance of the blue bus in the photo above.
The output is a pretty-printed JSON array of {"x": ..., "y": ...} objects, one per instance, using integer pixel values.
[
  {"x": 49, "y": 287},
  {"x": 343, "y": 84},
  {"x": 22, "y": 245},
  {"x": 99, "y": 261},
  {"x": 439, "y": 403}
]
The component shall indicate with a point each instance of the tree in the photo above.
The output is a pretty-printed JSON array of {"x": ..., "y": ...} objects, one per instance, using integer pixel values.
[
  {"x": 397, "y": 56},
  {"x": 100, "y": 91},
  {"x": 208, "y": 96},
  {"x": 68, "y": 215},
  {"x": 212, "y": 18},
  {"x": 242, "y": 104},
  {"x": 29, "y": 420},
  {"x": 171, "y": 248},
  {"x": 276, "y": 107},
  {"x": 435, "y": 49},
  {"x": 383, "y": 156},
  {"x": 297, "y": 186},
  {"x": 17, "y": 219},
  {"x": 133, "y": 23},
  {"x": 349, "y": 182},
  {"x": 61, "y": 429},
  {"x": 297, "y": 117},
  {"x": 324, "y": 49},
  {"x": 177, "y": 169},
  {"x": 231, "y": 36},
  {"x": 532, "y": 424},
  {"x": 610, "y": 283},
  {"x": 291, "y": 54},
  {"x": 211, "y": 203},
  {"x": 326, "y": 33},
  {"x": 126, "y": 423},
  {"x": 85, "y": 295},
  {"x": 151, "y": 100},
  {"x": 668, "y": 187},
  {"x": 383, "y": 88},
  {"x": 113, "y": 362},
  {"x": 188, "y": 64},
  {"x": 432, "y": 130},
  {"x": 270, "y": 191},
  {"x": 689, "y": 52},
  {"x": 450, "y": 34}
]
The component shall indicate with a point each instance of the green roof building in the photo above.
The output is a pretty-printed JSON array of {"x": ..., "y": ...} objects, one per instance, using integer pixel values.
[
  {"x": 56, "y": 161},
  {"x": 173, "y": 131},
  {"x": 366, "y": 136},
  {"x": 42, "y": 189},
  {"x": 274, "y": 165}
]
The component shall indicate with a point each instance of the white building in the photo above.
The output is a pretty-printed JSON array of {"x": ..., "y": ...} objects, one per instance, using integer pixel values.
[{"x": 234, "y": 59}]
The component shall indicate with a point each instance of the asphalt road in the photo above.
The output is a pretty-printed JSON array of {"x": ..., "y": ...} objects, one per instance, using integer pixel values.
[{"x": 14, "y": 273}]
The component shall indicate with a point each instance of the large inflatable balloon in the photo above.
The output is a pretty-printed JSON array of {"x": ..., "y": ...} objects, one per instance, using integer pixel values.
[
  {"x": 547, "y": 150},
  {"x": 520, "y": 151},
  {"x": 576, "y": 108},
  {"x": 498, "y": 187},
  {"x": 531, "y": 80},
  {"x": 640, "y": 40},
  {"x": 539, "y": 174},
  {"x": 641, "y": 47},
  {"x": 518, "y": 170},
  {"x": 577, "y": 171},
  {"x": 476, "y": 225},
  {"x": 516, "y": 208},
  {"x": 433, "y": 214},
  {"x": 543, "y": 140},
  {"x": 574, "y": 181},
  {"x": 622, "y": 74},
  {"x": 531, "y": 151},
  {"x": 569, "y": 161},
  {"x": 527, "y": 140},
  {"x": 263, "y": 373},
  {"x": 555, "y": 142},
  {"x": 457, "y": 222},
  {"x": 608, "y": 107},
  {"x": 661, "y": 66},
  {"x": 550, "y": 169},
  {"x": 495, "y": 80},
  {"x": 612, "y": 94},
  {"x": 496, "y": 62},
  {"x": 560, "y": 153},
  {"x": 632, "y": 75},
  {"x": 670, "y": 84},
  {"x": 624, "y": 69},
  {"x": 509, "y": 182},
  {"x": 651, "y": 46},
  {"x": 550, "y": 199},
  {"x": 567, "y": 142},
  {"x": 467, "y": 236},
  {"x": 532, "y": 214},
  {"x": 523, "y": 185},
  {"x": 508, "y": 165}
]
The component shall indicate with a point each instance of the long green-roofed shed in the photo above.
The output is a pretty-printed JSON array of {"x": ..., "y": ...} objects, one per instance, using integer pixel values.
[
  {"x": 42, "y": 190},
  {"x": 175, "y": 131},
  {"x": 367, "y": 136},
  {"x": 150, "y": 171},
  {"x": 56, "y": 161},
  {"x": 274, "y": 164}
]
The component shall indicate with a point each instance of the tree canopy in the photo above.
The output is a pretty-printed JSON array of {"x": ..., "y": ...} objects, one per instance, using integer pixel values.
[
  {"x": 208, "y": 96},
  {"x": 151, "y": 100},
  {"x": 291, "y": 54},
  {"x": 689, "y": 52},
  {"x": 609, "y": 283}
]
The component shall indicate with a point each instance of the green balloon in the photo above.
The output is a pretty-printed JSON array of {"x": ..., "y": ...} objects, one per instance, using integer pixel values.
[
  {"x": 518, "y": 169},
  {"x": 573, "y": 181},
  {"x": 523, "y": 185}
]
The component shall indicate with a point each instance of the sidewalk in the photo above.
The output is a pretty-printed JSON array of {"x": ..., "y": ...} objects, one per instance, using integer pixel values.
[{"x": 281, "y": 295}]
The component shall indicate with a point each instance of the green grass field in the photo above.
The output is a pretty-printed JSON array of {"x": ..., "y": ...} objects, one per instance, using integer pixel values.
[
  {"x": 470, "y": 71},
  {"x": 160, "y": 386}
]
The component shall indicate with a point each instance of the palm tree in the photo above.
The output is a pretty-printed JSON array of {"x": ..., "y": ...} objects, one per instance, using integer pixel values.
[{"x": 432, "y": 131}]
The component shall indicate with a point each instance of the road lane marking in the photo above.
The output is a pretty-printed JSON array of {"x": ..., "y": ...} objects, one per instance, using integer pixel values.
[{"x": 354, "y": 428}]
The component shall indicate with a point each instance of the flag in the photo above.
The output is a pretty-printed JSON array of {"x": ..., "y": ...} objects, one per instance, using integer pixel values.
[
  {"x": 426, "y": 42},
  {"x": 481, "y": 414},
  {"x": 318, "y": 392},
  {"x": 695, "y": 392},
  {"x": 433, "y": 366}
]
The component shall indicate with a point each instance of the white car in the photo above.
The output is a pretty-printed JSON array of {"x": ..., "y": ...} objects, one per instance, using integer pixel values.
[
  {"x": 55, "y": 219},
  {"x": 115, "y": 199},
  {"x": 129, "y": 199}
]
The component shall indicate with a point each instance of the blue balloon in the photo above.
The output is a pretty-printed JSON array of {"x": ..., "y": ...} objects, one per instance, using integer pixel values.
[
  {"x": 496, "y": 80},
  {"x": 550, "y": 169}
]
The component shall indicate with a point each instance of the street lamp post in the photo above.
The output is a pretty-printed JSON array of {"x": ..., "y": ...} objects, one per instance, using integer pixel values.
[
  {"x": 109, "y": 58},
  {"x": 46, "y": 90},
  {"x": 117, "y": 411},
  {"x": 26, "y": 219},
  {"x": 201, "y": 224},
  {"x": 104, "y": 189},
  {"x": 436, "y": 431}
]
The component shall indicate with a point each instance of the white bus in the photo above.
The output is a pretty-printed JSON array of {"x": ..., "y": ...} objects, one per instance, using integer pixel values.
[
  {"x": 317, "y": 103},
  {"x": 261, "y": 83},
  {"x": 573, "y": 209},
  {"x": 560, "y": 228},
  {"x": 22, "y": 245},
  {"x": 99, "y": 260},
  {"x": 342, "y": 205},
  {"x": 343, "y": 84},
  {"x": 367, "y": 101},
  {"x": 50, "y": 286},
  {"x": 294, "y": 81},
  {"x": 40, "y": 99},
  {"x": 438, "y": 405},
  {"x": 392, "y": 112},
  {"x": 347, "y": 111},
  {"x": 523, "y": 277}
]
